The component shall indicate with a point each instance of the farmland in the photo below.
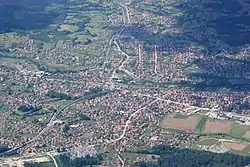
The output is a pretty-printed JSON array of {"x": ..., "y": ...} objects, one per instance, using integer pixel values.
[
  {"x": 188, "y": 124},
  {"x": 217, "y": 127},
  {"x": 235, "y": 145},
  {"x": 213, "y": 133}
]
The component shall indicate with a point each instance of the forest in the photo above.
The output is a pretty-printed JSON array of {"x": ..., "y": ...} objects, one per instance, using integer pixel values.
[{"x": 176, "y": 157}]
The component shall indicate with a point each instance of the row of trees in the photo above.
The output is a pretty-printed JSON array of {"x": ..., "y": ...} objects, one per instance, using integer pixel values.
[
  {"x": 61, "y": 96},
  {"x": 89, "y": 161},
  {"x": 95, "y": 92},
  {"x": 28, "y": 109}
]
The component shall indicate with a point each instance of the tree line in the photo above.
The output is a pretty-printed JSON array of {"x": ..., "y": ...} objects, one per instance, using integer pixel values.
[{"x": 176, "y": 157}]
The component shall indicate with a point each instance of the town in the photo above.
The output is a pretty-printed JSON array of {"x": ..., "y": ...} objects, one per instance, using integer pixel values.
[{"x": 110, "y": 84}]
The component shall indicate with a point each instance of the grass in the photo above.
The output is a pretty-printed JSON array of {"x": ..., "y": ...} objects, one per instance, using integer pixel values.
[
  {"x": 4, "y": 107},
  {"x": 93, "y": 30},
  {"x": 180, "y": 116},
  {"x": 79, "y": 36},
  {"x": 238, "y": 130},
  {"x": 45, "y": 164},
  {"x": 208, "y": 142},
  {"x": 247, "y": 149},
  {"x": 193, "y": 68},
  {"x": 12, "y": 37},
  {"x": 72, "y": 20},
  {"x": 199, "y": 127},
  {"x": 48, "y": 45}
]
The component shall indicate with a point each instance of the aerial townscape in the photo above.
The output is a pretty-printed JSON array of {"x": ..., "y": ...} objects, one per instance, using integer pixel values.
[{"x": 124, "y": 83}]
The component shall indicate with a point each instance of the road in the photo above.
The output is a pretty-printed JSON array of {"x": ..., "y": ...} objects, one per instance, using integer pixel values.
[
  {"x": 121, "y": 67},
  {"x": 50, "y": 124},
  {"x": 156, "y": 61},
  {"x": 51, "y": 156},
  {"x": 119, "y": 157},
  {"x": 126, "y": 20},
  {"x": 185, "y": 104},
  {"x": 128, "y": 121}
]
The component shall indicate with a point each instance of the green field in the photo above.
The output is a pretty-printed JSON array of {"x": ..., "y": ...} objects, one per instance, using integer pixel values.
[
  {"x": 48, "y": 45},
  {"x": 44, "y": 164},
  {"x": 208, "y": 142},
  {"x": 4, "y": 107},
  {"x": 238, "y": 130},
  {"x": 181, "y": 116},
  {"x": 199, "y": 127}
]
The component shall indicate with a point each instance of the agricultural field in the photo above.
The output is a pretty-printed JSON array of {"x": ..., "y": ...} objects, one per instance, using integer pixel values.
[
  {"x": 214, "y": 126},
  {"x": 236, "y": 145},
  {"x": 205, "y": 125},
  {"x": 214, "y": 134},
  {"x": 187, "y": 124}
]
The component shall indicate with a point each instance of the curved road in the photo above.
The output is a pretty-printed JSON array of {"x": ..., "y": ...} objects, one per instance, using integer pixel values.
[
  {"x": 128, "y": 121},
  {"x": 126, "y": 20},
  {"x": 121, "y": 67},
  {"x": 51, "y": 156}
]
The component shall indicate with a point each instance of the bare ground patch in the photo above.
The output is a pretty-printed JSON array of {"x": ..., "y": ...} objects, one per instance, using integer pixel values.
[
  {"x": 235, "y": 146},
  {"x": 188, "y": 124},
  {"x": 68, "y": 27},
  {"x": 217, "y": 127}
]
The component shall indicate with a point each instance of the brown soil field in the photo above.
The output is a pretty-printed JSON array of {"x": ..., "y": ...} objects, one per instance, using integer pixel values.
[
  {"x": 217, "y": 127},
  {"x": 247, "y": 134},
  {"x": 188, "y": 124},
  {"x": 235, "y": 146}
]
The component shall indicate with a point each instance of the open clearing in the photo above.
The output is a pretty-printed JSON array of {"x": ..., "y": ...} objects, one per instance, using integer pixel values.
[
  {"x": 68, "y": 27},
  {"x": 235, "y": 146},
  {"x": 188, "y": 124},
  {"x": 217, "y": 127},
  {"x": 19, "y": 162}
]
